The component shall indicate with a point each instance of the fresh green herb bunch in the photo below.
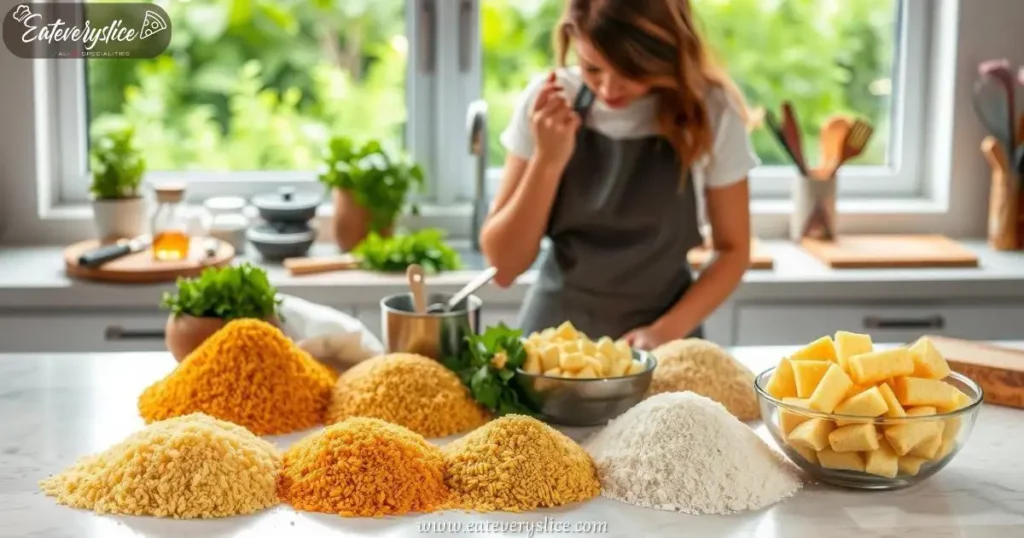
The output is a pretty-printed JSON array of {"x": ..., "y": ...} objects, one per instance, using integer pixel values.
[
  {"x": 425, "y": 247},
  {"x": 228, "y": 293},
  {"x": 378, "y": 181},
  {"x": 488, "y": 368},
  {"x": 116, "y": 163}
]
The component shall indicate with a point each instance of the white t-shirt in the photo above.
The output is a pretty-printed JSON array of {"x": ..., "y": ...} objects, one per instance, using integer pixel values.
[{"x": 730, "y": 160}]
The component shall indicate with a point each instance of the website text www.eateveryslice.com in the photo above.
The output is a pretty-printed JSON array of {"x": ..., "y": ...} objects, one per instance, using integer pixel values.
[{"x": 548, "y": 525}]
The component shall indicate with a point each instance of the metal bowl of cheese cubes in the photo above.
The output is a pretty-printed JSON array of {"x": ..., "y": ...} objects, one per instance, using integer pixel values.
[
  {"x": 855, "y": 416},
  {"x": 575, "y": 381}
]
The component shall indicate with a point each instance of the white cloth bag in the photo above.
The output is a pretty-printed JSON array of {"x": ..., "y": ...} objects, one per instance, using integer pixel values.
[{"x": 330, "y": 336}]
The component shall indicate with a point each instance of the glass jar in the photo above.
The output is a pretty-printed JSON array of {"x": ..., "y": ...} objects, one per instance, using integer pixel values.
[
  {"x": 225, "y": 220},
  {"x": 170, "y": 224}
]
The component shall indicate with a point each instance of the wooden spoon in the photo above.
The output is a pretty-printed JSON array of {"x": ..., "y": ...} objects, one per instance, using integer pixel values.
[
  {"x": 833, "y": 137},
  {"x": 419, "y": 300}
]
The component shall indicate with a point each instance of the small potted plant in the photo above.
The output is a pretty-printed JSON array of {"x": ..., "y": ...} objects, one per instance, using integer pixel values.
[
  {"x": 202, "y": 305},
  {"x": 117, "y": 168},
  {"x": 370, "y": 186}
]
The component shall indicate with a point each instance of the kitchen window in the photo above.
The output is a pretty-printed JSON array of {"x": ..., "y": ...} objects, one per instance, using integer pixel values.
[{"x": 249, "y": 90}]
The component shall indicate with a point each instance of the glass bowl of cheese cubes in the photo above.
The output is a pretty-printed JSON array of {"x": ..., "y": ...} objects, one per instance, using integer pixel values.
[
  {"x": 852, "y": 415},
  {"x": 575, "y": 381}
]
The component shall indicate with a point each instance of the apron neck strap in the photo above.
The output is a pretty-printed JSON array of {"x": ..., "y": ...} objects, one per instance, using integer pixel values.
[{"x": 584, "y": 100}]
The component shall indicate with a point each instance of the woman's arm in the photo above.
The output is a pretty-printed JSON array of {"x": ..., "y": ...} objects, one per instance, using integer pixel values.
[
  {"x": 511, "y": 235},
  {"x": 729, "y": 213}
]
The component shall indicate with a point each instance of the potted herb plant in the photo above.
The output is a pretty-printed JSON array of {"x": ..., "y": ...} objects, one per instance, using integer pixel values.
[
  {"x": 202, "y": 305},
  {"x": 117, "y": 168},
  {"x": 369, "y": 186}
]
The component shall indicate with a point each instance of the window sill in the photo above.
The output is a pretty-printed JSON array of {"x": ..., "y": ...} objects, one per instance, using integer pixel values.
[{"x": 455, "y": 218}]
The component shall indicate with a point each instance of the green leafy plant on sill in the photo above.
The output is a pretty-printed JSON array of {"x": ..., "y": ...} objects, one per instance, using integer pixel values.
[
  {"x": 379, "y": 181},
  {"x": 488, "y": 368},
  {"x": 228, "y": 293},
  {"x": 394, "y": 254},
  {"x": 116, "y": 164}
]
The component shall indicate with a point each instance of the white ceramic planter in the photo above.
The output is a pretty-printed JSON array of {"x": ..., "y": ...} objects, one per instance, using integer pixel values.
[{"x": 116, "y": 219}]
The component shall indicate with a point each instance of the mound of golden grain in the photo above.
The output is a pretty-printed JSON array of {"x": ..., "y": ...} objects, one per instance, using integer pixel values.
[
  {"x": 703, "y": 367},
  {"x": 248, "y": 373},
  {"x": 409, "y": 390},
  {"x": 193, "y": 466},
  {"x": 363, "y": 467},
  {"x": 517, "y": 463}
]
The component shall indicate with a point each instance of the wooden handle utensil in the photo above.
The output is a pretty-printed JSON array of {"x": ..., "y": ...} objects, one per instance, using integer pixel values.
[
  {"x": 1003, "y": 210},
  {"x": 311, "y": 266},
  {"x": 419, "y": 300}
]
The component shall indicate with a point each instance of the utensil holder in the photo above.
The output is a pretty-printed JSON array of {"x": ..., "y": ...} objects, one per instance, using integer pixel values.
[
  {"x": 1005, "y": 212},
  {"x": 814, "y": 209}
]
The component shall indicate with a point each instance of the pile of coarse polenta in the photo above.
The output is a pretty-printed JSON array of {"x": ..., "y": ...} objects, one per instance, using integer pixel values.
[{"x": 846, "y": 376}]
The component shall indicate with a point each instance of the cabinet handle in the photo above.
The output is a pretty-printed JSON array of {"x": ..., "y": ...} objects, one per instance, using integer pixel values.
[
  {"x": 427, "y": 22},
  {"x": 116, "y": 332},
  {"x": 930, "y": 322},
  {"x": 466, "y": 28}
]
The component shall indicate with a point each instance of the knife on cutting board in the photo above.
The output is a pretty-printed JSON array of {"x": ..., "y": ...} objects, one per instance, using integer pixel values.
[
  {"x": 105, "y": 253},
  {"x": 999, "y": 370}
]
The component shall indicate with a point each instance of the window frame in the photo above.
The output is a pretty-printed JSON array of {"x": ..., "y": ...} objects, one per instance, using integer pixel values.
[{"x": 437, "y": 100}]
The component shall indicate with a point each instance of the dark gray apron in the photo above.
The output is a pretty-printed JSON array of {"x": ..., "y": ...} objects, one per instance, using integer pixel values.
[{"x": 620, "y": 229}]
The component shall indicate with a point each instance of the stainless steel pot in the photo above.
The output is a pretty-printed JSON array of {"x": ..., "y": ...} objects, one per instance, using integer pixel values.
[{"x": 431, "y": 335}]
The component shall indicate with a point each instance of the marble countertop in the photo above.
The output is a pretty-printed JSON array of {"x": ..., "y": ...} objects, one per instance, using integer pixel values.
[
  {"x": 33, "y": 278},
  {"x": 56, "y": 408}
]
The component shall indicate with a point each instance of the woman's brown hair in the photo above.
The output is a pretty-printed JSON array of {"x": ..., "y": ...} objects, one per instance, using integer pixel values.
[{"x": 655, "y": 42}]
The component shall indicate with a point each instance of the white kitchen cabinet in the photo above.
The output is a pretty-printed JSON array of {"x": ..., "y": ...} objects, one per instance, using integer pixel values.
[
  {"x": 82, "y": 332},
  {"x": 789, "y": 324}
]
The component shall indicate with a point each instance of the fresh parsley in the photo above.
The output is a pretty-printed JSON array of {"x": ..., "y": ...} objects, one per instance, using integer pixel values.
[
  {"x": 488, "y": 367},
  {"x": 242, "y": 291},
  {"x": 394, "y": 254}
]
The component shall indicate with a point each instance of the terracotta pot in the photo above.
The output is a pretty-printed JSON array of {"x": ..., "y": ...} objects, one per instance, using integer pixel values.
[
  {"x": 351, "y": 221},
  {"x": 185, "y": 333}
]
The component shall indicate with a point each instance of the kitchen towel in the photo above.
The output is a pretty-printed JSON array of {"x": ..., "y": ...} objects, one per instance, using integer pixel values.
[{"x": 332, "y": 337}]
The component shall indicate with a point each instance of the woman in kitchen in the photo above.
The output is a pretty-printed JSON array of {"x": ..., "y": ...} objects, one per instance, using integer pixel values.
[{"x": 613, "y": 159}]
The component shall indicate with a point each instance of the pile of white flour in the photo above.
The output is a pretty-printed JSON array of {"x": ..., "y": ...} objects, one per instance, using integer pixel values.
[{"x": 681, "y": 451}]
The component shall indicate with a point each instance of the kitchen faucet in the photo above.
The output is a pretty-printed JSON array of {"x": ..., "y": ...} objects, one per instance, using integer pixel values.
[{"x": 476, "y": 125}]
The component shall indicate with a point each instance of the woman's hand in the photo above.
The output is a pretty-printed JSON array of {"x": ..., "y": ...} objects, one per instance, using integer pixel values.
[
  {"x": 649, "y": 337},
  {"x": 554, "y": 124}
]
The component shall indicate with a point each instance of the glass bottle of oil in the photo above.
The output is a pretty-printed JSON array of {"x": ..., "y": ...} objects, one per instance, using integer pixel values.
[{"x": 170, "y": 224}]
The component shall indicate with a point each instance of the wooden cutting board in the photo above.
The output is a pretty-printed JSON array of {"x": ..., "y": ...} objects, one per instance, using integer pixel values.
[
  {"x": 760, "y": 258},
  {"x": 141, "y": 268},
  {"x": 890, "y": 251},
  {"x": 999, "y": 371}
]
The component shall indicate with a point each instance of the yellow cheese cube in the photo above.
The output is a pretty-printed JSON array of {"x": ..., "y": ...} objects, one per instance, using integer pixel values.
[
  {"x": 854, "y": 438},
  {"x": 550, "y": 356},
  {"x": 911, "y": 391},
  {"x": 871, "y": 368},
  {"x": 566, "y": 331},
  {"x": 570, "y": 346},
  {"x": 950, "y": 427},
  {"x": 904, "y": 437},
  {"x": 869, "y": 403},
  {"x": 587, "y": 372},
  {"x": 588, "y": 348},
  {"x": 821, "y": 349},
  {"x": 532, "y": 363},
  {"x": 855, "y": 389},
  {"x": 849, "y": 461},
  {"x": 619, "y": 368},
  {"x": 554, "y": 372},
  {"x": 790, "y": 419},
  {"x": 882, "y": 462},
  {"x": 910, "y": 465},
  {"x": 849, "y": 344},
  {"x": 830, "y": 390},
  {"x": 807, "y": 374},
  {"x": 945, "y": 449},
  {"x": 894, "y": 408},
  {"x": 572, "y": 362},
  {"x": 812, "y": 434},
  {"x": 782, "y": 384},
  {"x": 595, "y": 364},
  {"x": 928, "y": 448},
  {"x": 807, "y": 454},
  {"x": 636, "y": 367},
  {"x": 962, "y": 401},
  {"x": 928, "y": 362}
]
